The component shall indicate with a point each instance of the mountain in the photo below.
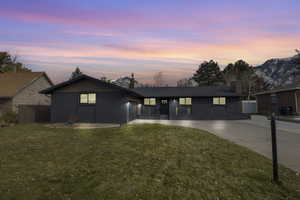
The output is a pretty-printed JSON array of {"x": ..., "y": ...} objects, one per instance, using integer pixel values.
[
  {"x": 125, "y": 81},
  {"x": 280, "y": 71}
]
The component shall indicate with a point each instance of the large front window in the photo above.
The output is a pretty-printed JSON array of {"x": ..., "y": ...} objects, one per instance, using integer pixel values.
[
  {"x": 185, "y": 101},
  {"x": 185, "y": 106},
  {"x": 150, "y": 101},
  {"x": 219, "y": 100},
  {"x": 88, "y": 98}
]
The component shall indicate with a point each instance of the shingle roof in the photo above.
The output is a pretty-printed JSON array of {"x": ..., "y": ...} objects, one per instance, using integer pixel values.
[
  {"x": 83, "y": 76},
  {"x": 185, "y": 91},
  {"x": 13, "y": 82}
]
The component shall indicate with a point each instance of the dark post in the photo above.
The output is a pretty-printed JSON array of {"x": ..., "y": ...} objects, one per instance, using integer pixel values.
[
  {"x": 274, "y": 150},
  {"x": 274, "y": 142}
]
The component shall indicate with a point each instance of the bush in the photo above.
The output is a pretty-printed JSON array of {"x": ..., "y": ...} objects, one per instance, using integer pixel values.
[{"x": 9, "y": 117}]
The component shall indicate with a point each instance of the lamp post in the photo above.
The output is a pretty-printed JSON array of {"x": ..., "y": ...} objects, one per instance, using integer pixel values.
[{"x": 274, "y": 101}]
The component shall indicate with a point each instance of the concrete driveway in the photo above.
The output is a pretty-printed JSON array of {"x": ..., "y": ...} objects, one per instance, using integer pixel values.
[{"x": 254, "y": 134}]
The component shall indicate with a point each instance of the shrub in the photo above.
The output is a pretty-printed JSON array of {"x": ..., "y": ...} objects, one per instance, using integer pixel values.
[{"x": 9, "y": 117}]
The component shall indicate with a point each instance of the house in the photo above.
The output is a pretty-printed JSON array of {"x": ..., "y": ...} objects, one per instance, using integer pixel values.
[
  {"x": 22, "y": 88},
  {"x": 190, "y": 103},
  {"x": 288, "y": 99},
  {"x": 86, "y": 99}
]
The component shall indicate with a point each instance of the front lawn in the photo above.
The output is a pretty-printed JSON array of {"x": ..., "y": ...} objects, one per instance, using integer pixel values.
[{"x": 134, "y": 162}]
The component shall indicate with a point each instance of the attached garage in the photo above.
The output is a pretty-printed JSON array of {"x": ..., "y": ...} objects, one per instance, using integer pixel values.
[{"x": 89, "y": 100}]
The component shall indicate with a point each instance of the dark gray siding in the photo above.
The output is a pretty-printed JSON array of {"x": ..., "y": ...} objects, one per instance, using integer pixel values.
[
  {"x": 202, "y": 108},
  {"x": 109, "y": 108},
  {"x": 63, "y": 107}
]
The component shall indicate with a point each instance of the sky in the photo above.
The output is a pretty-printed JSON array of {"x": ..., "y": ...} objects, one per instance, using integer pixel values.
[{"x": 114, "y": 38}]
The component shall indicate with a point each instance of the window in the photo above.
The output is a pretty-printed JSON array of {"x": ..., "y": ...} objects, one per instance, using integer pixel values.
[
  {"x": 150, "y": 101},
  {"x": 185, "y": 101},
  {"x": 164, "y": 101},
  {"x": 89, "y": 98},
  {"x": 219, "y": 100},
  {"x": 83, "y": 98}
]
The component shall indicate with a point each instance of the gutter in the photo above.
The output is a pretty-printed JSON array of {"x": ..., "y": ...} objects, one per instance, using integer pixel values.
[
  {"x": 296, "y": 102},
  {"x": 276, "y": 91}
]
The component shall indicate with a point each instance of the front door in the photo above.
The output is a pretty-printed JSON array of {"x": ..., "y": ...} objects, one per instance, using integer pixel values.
[{"x": 164, "y": 107}]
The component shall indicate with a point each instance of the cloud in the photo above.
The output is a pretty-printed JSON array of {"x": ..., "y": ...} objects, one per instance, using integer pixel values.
[{"x": 117, "y": 37}]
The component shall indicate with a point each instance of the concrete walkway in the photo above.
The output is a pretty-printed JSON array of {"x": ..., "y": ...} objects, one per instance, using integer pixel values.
[{"x": 254, "y": 134}]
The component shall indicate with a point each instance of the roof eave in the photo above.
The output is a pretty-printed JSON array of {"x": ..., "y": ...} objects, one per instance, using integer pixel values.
[
  {"x": 276, "y": 91},
  {"x": 6, "y": 97},
  {"x": 63, "y": 84}
]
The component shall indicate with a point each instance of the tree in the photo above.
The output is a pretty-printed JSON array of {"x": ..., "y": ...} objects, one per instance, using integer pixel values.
[
  {"x": 76, "y": 73},
  {"x": 158, "y": 79},
  {"x": 229, "y": 74},
  {"x": 297, "y": 63},
  {"x": 244, "y": 74},
  {"x": 208, "y": 74},
  {"x": 187, "y": 82},
  {"x": 9, "y": 63}
]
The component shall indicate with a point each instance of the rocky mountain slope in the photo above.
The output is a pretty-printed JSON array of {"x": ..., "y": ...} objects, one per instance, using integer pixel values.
[{"x": 279, "y": 72}]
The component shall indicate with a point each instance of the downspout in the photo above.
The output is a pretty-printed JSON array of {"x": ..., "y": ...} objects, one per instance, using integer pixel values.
[{"x": 296, "y": 102}]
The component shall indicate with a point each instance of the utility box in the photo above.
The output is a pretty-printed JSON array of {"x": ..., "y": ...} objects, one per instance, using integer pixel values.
[{"x": 249, "y": 107}]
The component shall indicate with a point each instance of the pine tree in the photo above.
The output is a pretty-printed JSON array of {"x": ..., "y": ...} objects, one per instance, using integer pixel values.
[
  {"x": 76, "y": 73},
  {"x": 242, "y": 73},
  {"x": 208, "y": 74}
]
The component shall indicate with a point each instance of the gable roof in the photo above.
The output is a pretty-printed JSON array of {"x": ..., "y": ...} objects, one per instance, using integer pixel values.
[
  {"x": 81, "y": 77},
  {"x": 13, "y": 82},
  {"x": 185, "y": 91},
  {"x": 290, "y": 87}
]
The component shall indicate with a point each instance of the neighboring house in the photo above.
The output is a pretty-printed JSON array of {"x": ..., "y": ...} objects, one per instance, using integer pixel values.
[
  {"x": 288, "y": 97},
  {"x": 22, "y": 88},
  {"x": 87, "y": 99}
]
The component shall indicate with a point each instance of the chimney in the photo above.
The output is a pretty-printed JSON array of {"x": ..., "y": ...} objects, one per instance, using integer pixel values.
[
  {"x": 236, "y": 86},
  {"x": 132, "y": 81}
]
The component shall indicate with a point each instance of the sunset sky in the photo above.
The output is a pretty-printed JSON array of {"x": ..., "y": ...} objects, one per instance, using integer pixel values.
[{"x": 116, "y": 37}]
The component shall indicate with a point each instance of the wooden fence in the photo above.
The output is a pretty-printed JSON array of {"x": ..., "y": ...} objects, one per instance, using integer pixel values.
[{"x": 33, "y": 114}]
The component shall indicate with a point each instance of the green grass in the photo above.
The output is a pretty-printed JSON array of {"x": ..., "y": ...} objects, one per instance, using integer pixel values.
[{"x": 134, "y": 162}]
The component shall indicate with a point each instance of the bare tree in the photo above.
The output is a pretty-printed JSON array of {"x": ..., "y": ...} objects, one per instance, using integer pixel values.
[{"x": 158, "y": 79}]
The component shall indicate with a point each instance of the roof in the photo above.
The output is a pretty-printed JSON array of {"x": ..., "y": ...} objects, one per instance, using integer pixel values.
[
  {"x": 290, "y": 87},
  {"x": 81, "y": 77},
  {"x": 13, "y": 82},
  {"x": 185, "y": 91}
]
